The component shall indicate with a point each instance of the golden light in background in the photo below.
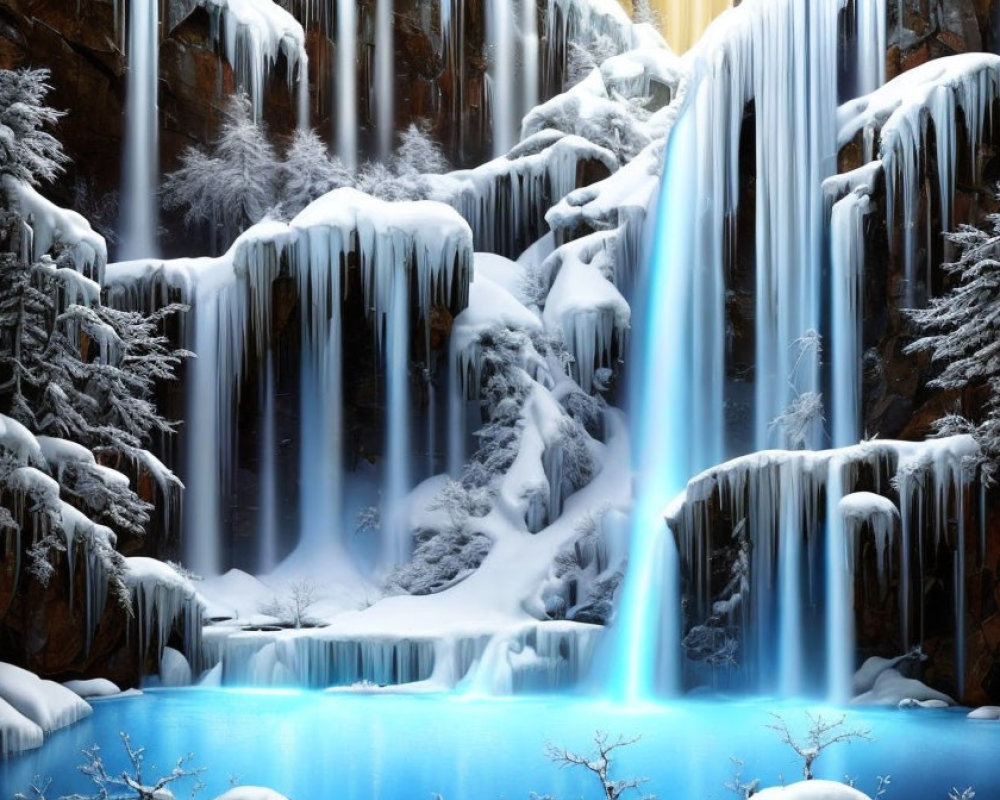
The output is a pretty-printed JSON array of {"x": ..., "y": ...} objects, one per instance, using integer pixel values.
[{"x": 684, "y": 21}]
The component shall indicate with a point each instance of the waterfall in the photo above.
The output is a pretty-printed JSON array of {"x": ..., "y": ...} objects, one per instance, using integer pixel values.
[
  {"x": 396, "y": 474},
  {"x": 384, "y": 78},
  {"x": 139, "y": 194},
  {"x": 846, "y": 276},
  {"x": 317, "y": 256},
  {"x": 346, "y": 85},
  {"x": 664, "y": 440},
  {"x": 267, "y": 528},
  {"x": 529, "y": 45},
  {"x": 502, "y": 76},
  {"x": 871, "y": 45},
  {"x": 839, "y": 591}
]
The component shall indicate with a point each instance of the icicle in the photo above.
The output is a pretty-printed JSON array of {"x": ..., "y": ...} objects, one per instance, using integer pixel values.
[{"x": 254, "y": 33}]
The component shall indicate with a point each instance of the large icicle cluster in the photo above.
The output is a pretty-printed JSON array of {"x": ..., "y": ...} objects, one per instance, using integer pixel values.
[
  {"x": 799, "y": 523},
  {"x": 895, "y": 125},
  {"x": 255, "y": 33},
  {"x": 164, "y": 601},
  {"x": 394, "y": 245}
]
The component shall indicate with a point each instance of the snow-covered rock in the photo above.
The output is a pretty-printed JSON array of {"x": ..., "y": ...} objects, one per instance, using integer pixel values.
[
  {"x": 46, "y": 703},
  {"x": 95, "y": 687},
  {"x": 164, "y": 600},
  {"x": 812, "y": 790},
  {"x": 991, "y": 713},
  {"x": 892, "y": 689}
]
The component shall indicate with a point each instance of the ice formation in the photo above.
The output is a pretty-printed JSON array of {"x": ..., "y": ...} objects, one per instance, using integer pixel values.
[
  {"x": 254, "y": 34},
  {"x": 164, "y": 601},
  {"x": 583, "y": 306},
  {"x": 774, "y": 502},
  {"x": 895, "y": 124},
  {"x": 422, "y": 244},
  {"x": 505, "y": 200}
]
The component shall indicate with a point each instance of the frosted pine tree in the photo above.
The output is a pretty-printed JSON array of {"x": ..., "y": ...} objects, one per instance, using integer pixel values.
[
  {"x": 27, "y": 151},
  {"x": 233, "y": 186},
  {"x": 308, "y": 172},
  {"x": 961, "y": 331}
]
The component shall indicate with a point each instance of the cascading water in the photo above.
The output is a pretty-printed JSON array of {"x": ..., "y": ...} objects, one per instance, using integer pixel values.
[
  {"x": 384, "y": 77},
  {"x": 346, "y": 83},
  {"x": 529, "y": 59},
  {"x": 395, "y": 543},
  {"x": 141, "y": 132},
  {"x": 502, "y": 75},
  {"x": 267, "y": 551}
]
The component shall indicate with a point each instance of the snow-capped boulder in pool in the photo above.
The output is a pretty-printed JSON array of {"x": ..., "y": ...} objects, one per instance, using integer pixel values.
[
  {"x": 893, "y": 689},
  {"x": 991, "y": 713},
  {"x": 46, "y": 703},
  {"x": 812, "y": 790},
  {"x": 96, "y": 687},
  {"x": 17, "y": 732},
  {"x": 251, "y": 793}
]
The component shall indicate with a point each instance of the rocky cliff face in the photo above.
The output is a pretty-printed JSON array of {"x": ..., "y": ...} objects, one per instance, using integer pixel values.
[{"x": 83, "y": 44}]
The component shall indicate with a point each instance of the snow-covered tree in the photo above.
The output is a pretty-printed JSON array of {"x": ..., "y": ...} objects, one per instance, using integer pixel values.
[
  {"x": 643, "y": 12},
  {"x": 308, "y": 172},
  {"x": 822, "y": 734},
  {"x": 583, "y": 56},
  {"x": 418, "y": 152},
  {"x": 379, "y": 180},
  {"x": 231, "y": 187},
  {"x": 27, "y": 151},
  {"x": 292, "y": 608},
  {"x": 600, "y": 764},
  {"x": 961, "y": 332}
]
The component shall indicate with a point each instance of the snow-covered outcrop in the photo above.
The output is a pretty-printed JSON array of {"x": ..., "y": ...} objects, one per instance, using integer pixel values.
[
  {"x": 164, "y": 601},
  {"x": 784, "y": 511},
  {"x": 506, "y": 199},
  {"x": 94, "y": 687},
  {"x": 49, "y": 229},
  {"x": 255, "y": 33},
  {"x": 584, "y": 308},
  {"x": 942, "y": 99},
  {"x": 893, "y": 689},
  {"x": 31, "y": 708}
]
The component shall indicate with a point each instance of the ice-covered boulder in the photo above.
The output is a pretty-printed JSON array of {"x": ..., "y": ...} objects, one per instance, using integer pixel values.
[
  {"x": 991, "y": 713},
  {"x": 17, "y": 732}
]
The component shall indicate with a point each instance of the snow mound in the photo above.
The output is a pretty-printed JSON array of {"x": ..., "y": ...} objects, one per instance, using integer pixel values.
[
  {"x": 812, "y": 790},
  {"x": 991, "y": 713},
  {"x": 17, "y": 732},
  {"x": 892, "y": 689},
  {"x": 251, "y": 793},
  {"x": 46, "y": 703},
  {"x": 95, "y": 687}
]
